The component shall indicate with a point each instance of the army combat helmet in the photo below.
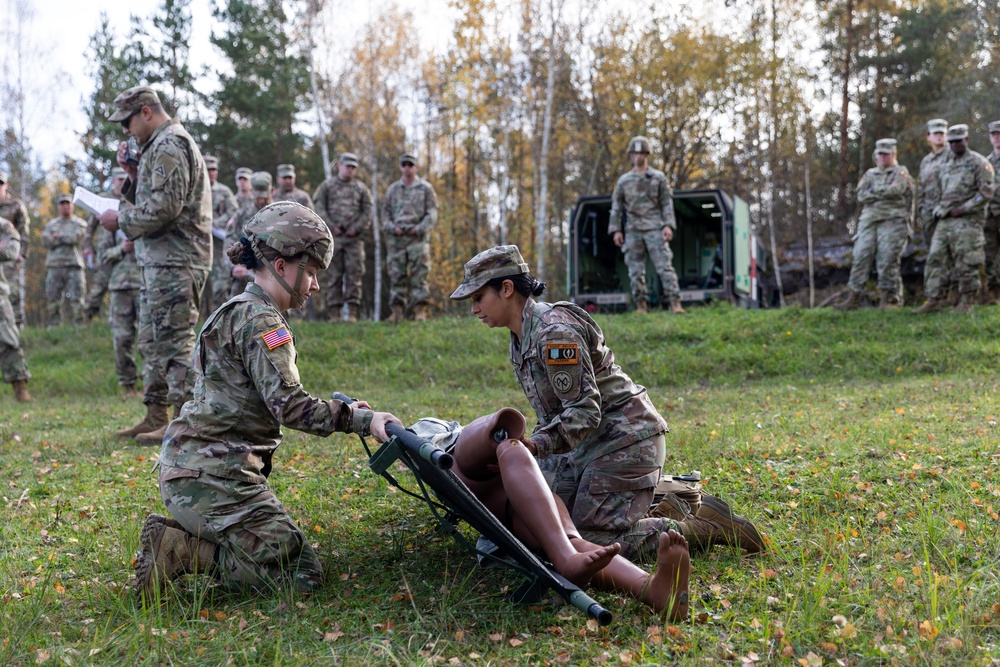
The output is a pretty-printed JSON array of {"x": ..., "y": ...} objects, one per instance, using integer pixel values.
[
  {"x": 639, "y": 145},
  {"x": 291, "y": 229}
]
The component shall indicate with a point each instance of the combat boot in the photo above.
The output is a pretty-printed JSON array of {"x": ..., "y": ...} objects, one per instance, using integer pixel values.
[
  {"x": 952, "y": 298},
  {"x": 156, "y": 416},
  {"x": 930, "y": 306},
  {"x": 852, "y": 302},
  {"x": 167, "y": 553},
  {"x": 964, "y": 304},
  {"x": 887, "y": 300},
  {"x": 641, "y": 308},
  {"x": 352, "y": 313},
  {"x": 398, "y": 314},
  {"x": 676, "y": 308},
  {"x": 155, "y": 437},
  {"x": 21, "y": 393},
  {"x": 129, "y": 391},
  {"x": 420, "y": 313},
  {"x": 716, "y": 523}
]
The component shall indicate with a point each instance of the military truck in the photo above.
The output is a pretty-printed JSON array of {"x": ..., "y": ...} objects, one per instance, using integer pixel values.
[{"x": 716, "y": 254}]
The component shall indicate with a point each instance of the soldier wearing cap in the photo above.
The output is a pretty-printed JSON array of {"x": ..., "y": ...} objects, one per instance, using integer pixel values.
[
  {"x": 599, "y": 439},
  {"x": 13, "y": 366},
  {"x": 95, "y": 241},
  {"x": 13, "y": 209},
  {"x": 643, "y": 203},
  {"x": 886, "y": 197},
  {"x": 345, "y": 203},
  {"x": 965, "y": 184},
  {"x": 65, "y": 283},
  {"x": 928, "y": 192},
  {"x": 992, "y": 227},
  {"x": 223, "y": 211},
  {"x": 409, "y": 212},
  {"x": 286, "y": 187},
  {"x": 243, "y": 189},
  {"x": 224, "y": 517},
  {"x": 124, "y": 285},
  {"x": 170, "y": 223},
  {"x": 260, "y": 190}
]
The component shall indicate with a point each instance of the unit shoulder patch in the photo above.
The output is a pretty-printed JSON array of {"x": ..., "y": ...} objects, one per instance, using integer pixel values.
[{"x": 562, "y": 354}]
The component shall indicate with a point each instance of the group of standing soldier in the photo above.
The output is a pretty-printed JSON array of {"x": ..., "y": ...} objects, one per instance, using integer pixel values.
[{"x": 957, "y": 206}]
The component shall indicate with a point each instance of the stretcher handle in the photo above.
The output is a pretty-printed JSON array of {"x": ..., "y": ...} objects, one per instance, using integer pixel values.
[{"x": 422, "y": 448}]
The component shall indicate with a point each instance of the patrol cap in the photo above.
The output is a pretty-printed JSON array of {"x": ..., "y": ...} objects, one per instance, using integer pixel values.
[
  {"x": 260, "y": 183},
  {"x": 118, "y": 172},
  {"x": 244, "y": 172},
  {"x": 133, "y": 99},
  {"x": 885, "y": 146},
  {"x": 937, "y": 125},
  {"x": 64, "y": 199},
  {"x": 350, "y": 159},
  {"x": 638, "y": 145},
  {"x": 958, "y": 132},
  {"x": 499, "y": 262},
  {"x": 995, "y": 126},
  {"x": 408, "y": 157},
  {"x": 286, "y": 170},
  {"x": 292, "y": 229},
  {"x": 211, "y": 162}
]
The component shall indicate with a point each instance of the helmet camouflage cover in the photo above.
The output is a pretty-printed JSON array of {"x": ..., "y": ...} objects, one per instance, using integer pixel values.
[
  {"x": 292, "y": 229},
  {"x": 639, "y": 145}
]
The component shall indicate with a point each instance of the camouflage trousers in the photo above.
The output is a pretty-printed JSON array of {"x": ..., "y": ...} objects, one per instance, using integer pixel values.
[
  {"x": 99, "y": 279},
  {"x": 16, "y": 282},
  {"x": 168, "y": 313},
  {"x": 608, "y": 497},
  {"x": 216, "y": 290},
  {"x": 880, "y": 243},
  {"x": 343, "y": 277},
  {"x": 259, "y": 545},
  {"x": 991, "y": 232},
  {"x": 64, "y": 289},
  {"x": 12, "y": 363},
  {"x": 124, "y": 331},
  {"x": 958, "y": 244},
  {"x": 636, "y": 248},
  {"x": 408, "y": 262}
]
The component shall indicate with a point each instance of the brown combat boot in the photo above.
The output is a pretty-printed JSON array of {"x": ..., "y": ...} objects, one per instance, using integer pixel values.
[
  {"x": 352, "y": 313},
  {"x": 676, "y": 308},
  {"x": 21, "y": 394},
  {"x": 156, "y": 416},
  {"x": 129, "y": 391},
  {"x": 420, "y": 312},
  {"x": 641, "y": 308},
  {"x": 930, "y": 306},
  {"x": 887, "y": 300},
  {"x": 964, "y": 304},
  {"x": 156, "y": 437},
  {"x": 167, "y": 553},
  {"x": 852, "y": 302},
  {"x": 716, "y": 523},
  {"x": 398, "y": 314}
]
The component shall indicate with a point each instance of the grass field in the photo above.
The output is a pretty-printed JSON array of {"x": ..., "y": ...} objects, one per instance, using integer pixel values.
[{"x": 863, "y": 445}]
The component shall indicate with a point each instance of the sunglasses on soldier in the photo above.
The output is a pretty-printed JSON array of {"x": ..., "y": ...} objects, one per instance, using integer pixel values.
[{"x": 128, "y": 121}]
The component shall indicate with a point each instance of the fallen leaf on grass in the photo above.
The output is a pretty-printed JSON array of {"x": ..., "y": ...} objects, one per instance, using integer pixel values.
[
  {"x": 515, "y": 642},
  {"x": 332, "y": 636},
  {"x": 496, "y": 636},
  {"x": 243, "y": 625}
]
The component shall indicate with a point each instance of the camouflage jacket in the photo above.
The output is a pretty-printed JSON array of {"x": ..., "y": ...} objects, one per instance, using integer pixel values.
[
  {"x": 584, "y": 402},
  {"x": 296, "y": 195},
  {"x": 886, "y": 194},
  {"x": 344, "y": 205},
  {"x": 247, "y": 386},
  {"x": 125, "y": 272},
  {"x": 223, "y": 205},
  {"x": 411, "y": 206},
  {"x": 63, "y": 237},
  {"x": 930, "y": 189},
  {"x": 966, "y": 183},
  {"x": 645, "y": 200},
  {"x": 171, "y": 221},
  {"x": 242, "y": 199},
  {"x": 10, "y": 247},
  {"x": 15, "y": 212},
  {"x": 235, "y": 230},
  {"x": 993, "y": 208}
]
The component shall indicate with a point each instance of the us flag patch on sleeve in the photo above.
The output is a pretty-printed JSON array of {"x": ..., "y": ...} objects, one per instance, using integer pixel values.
[{"x": 276, "y": 337}]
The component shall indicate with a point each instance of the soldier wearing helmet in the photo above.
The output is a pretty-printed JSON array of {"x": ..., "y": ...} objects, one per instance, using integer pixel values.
[
  {"x": 224, "y": 518},
  {"x": 642, "y": 223}
]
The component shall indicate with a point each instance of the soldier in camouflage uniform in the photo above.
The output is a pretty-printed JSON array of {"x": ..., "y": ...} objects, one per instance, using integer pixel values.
[
  {"x": 992, "y": 227},
  {"x": 886, "y": 196},
  {"x": 65, "y": 283},
  {"x": 100, "y": 271},
  {"x": 409, "y": 212},
  {"x": 966, "y": 185},
  {"x": 13, "y": 367},
  {"x": 223, "y": 211},
  {"x": 171, "y": 225},
  {"x": 243, "y": 189},
  {"x": 261, "y": 191},
  {"x": 124, "y": 285},
  {"x": 287, "y": 190},
  {"x": 929, "y": 192},
  {"x": 13, "y": 210},
  {"x": 217, "y": 455},
  {"x": 599, "y": 439},
  {"x": 644, "y": 200},
  {"x": 346, "y": 205}
]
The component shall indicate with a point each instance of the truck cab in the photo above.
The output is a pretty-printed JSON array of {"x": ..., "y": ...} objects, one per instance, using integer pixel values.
[{"x": 716, "y": 254}]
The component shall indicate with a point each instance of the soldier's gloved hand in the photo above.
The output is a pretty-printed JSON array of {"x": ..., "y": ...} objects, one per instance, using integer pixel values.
[
  {"x": 619, "y": 239},
  {"x": 379, "y": 421}
]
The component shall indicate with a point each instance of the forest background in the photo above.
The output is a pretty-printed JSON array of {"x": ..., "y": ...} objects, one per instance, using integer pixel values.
[{"x": 532, "y": 103}]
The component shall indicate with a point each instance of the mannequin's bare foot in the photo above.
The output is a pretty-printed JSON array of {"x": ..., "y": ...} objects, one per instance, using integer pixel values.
[
  {"x": 582, "y": 567},
  {"x": 667, "y": 589}
]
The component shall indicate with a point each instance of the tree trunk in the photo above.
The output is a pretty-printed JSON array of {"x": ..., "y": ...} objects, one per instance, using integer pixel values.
[
  {"x": 541, "y": 221},
  {"x": 844, "y": 109},
  {"x": 809, "y": 225},
  {"x": 772, "y": 150}
]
